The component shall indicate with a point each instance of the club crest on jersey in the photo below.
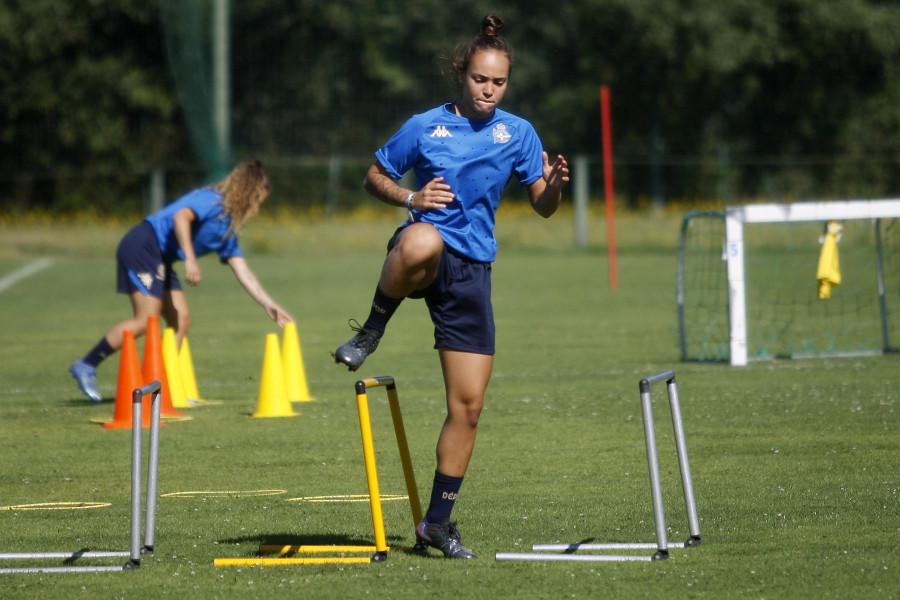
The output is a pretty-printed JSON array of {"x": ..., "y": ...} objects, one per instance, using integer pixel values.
[
  {"x": 441, "y": 132},
  {"x": 501, "y": 135},
  {"x": 146, "y": 279}
]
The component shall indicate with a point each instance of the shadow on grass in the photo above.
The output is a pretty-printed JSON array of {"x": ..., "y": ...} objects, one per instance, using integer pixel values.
[
  {"x": 82, "y": 401},
  {"x": 574, "y": 547},
  {"x": 287, "y": 539},
  {"x": 292, "y": 539}
]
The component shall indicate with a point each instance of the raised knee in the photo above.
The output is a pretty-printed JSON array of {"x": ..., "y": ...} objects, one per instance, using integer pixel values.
[{"x": 420, "y": 243}]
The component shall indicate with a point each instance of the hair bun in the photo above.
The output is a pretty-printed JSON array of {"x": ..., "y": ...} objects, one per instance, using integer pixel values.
[{"x": 491, "y": 26}]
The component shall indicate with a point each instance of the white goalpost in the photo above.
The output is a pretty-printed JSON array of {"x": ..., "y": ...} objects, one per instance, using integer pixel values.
[{"x": 782, "y": 293}]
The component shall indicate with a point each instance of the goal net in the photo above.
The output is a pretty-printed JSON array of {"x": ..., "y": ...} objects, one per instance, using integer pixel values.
[{"x": 749, "y": 281}]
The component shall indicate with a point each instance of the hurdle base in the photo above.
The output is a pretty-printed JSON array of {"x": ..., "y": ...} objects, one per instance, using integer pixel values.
[
  {"x": 69, "y": 569},
  {"x": 147, "y": 550},
  {"x": 131, "y": 564},
  {"x": 288, "y": 555},
  {"x": 566, "y": 552},
  {"x": 261, "y": 561},
  {"x": 539, "y": 557}
]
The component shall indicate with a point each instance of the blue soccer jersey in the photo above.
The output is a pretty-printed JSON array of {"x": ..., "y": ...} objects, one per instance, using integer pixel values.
[
  {"x": 209, "y": 231},
  {"x": 476, "y": 158}
]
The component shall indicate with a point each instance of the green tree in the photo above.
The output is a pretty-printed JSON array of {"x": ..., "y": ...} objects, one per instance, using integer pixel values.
[
  {"x": 85, "y": 101},
  {"x": 708, "y": 95}
]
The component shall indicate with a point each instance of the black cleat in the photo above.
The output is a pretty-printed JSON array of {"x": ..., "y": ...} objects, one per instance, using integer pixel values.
[
  {"x": 444, "y": 537},
  {"x": 354, "y": 352}
]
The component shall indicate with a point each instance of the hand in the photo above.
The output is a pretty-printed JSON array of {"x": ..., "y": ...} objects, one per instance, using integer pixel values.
[
  {"x": 557, "y": 174},
  {"x": 192, "y": 271},
  {"x": 435, "y": 194},
  {"x": 278, "y": 314}
]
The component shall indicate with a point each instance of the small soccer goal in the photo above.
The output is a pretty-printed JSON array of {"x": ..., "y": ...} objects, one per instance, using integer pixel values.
[{"x": 751, "y": 285}]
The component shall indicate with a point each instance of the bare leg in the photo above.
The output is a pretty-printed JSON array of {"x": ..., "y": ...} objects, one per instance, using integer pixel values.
[
  {"x": 466, "y": 376},
  {"x": 143, "y": 308},
  {"x": 411, "y": 265},
  {"x": 85, "y": 370},
  {"x": 413, "y": 262},
  {"x": 175, "y": 312}
]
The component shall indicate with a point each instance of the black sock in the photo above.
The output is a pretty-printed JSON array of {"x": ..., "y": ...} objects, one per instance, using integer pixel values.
[
  {"x": 100, "y": 352},
  {"x": 383, "y": 307},
  {"x": 444, "y": 492}
]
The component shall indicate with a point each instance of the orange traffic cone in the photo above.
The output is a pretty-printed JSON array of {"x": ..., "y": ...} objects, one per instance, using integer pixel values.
[
  {"x": 155, "y": 367},
  {"x": 130, "y": 379},
  {"x": 272, "y": 400}
]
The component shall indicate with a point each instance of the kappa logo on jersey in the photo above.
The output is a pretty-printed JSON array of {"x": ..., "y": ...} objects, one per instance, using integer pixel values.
[
  {"x": 441, "y": 132},
  {"x": 501, "y": 135}
]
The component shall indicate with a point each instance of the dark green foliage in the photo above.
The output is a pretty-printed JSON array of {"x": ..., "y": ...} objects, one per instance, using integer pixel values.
[{"x": 712, "y": 100}]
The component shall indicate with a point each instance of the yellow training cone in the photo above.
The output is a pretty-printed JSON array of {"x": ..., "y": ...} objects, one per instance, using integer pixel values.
[
  {"x": 294, "y": 373},
  {"x": 187, "y": 372},
  {"x": 173, "y": 369},
  {"x": 829, "y": 271},
  {"x": 273, "y": 400}
]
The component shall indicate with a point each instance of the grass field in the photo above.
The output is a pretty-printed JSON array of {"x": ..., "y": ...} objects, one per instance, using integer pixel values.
[{"x": 795, "y": 463}]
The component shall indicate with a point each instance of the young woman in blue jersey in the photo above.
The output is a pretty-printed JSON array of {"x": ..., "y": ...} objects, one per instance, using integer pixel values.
[
  {"x": 463, "y": 153},
  {"x": 203, "y": 221}
]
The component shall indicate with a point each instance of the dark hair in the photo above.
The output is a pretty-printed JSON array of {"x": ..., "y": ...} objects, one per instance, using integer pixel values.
[{"x": 488, "y": 39}]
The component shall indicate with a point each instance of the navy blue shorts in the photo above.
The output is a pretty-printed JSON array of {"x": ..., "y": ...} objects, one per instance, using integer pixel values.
[
  {"x": 141, "y": 267},
  {"x": 459, "y": 301}
]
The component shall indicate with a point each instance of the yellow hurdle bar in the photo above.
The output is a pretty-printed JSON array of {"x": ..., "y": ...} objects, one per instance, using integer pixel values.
[
  {"x": 365, "y": 428},
  {"x": 291, "y": 560},
  {"x": 405, "y": 460},
  {"x": 312, "y": 549}
]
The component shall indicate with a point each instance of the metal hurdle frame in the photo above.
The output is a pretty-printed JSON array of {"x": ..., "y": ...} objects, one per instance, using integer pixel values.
[
  {"x": 137, "y": 548},
  {"x": 662, "y": 545},
  {"x": 380, "y": 549}
]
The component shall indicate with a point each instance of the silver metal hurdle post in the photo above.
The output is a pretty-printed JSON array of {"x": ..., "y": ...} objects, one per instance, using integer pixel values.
[
  {"x": 659, "y": 515},
  {"x": 662, "y": 545},
  {"x": 137, "y": 549}
]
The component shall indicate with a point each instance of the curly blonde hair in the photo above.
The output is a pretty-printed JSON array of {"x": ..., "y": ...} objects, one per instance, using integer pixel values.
[{"x": 243, "y": 190}]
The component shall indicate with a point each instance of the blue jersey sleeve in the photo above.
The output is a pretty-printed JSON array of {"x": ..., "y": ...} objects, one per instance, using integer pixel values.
[
  {"x": 399, "y": 154},
  {"x": 530, "y": 163},
  {"x": 229, "y": 248}
]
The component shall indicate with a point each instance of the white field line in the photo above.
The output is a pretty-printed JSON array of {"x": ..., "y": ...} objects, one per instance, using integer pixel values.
[{"x": 23, "y": 273}]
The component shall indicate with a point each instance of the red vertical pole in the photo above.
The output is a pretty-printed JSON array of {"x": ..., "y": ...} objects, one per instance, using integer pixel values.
[{"x": 608, "y": 181}]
